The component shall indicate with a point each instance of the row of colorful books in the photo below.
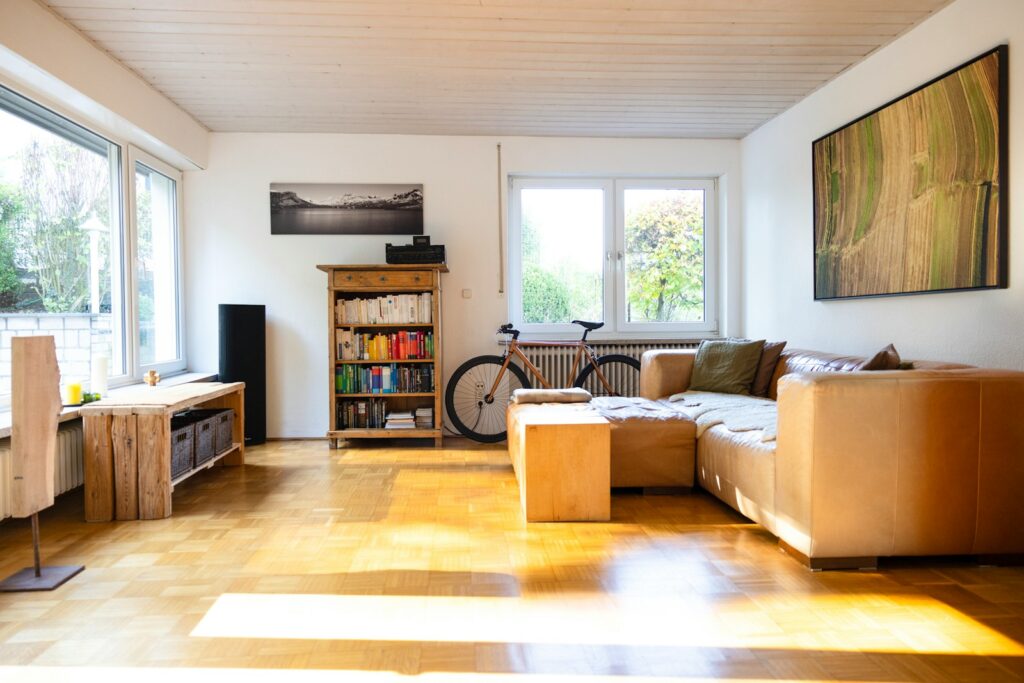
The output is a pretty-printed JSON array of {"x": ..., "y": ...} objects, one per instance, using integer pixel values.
[
  {"x": 387, "y": 309},
  {"x": 384, "y": 379},
  {"x": 403, "y": 345},
  {"x": 372, "y": 413}
]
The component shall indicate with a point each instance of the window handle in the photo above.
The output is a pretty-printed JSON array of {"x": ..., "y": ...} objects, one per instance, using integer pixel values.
[
  {"x": 620, "y": 255},
  {"x": 608, "y": 256}
]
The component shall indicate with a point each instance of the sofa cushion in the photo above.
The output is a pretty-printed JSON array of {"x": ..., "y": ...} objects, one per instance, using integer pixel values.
[
  {"x": 737, "y": 412},
  {"x": 651, "y": 444},
  {"x": 766, "y": 368},
  {"x": 739, "y": 469},
  {"x": 726, "y": 366},
  {"x": 571, "y": 395},
  {"x": 886, "y": 359},
  {"x": 801, "y": 360}
]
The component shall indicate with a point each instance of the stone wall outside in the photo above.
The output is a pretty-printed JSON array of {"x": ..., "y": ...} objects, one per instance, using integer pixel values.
[{"x": 78, "y": 337}]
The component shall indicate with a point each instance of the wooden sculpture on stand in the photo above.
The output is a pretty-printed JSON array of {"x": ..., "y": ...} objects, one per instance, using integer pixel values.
[{"x": 35, "y": 408}]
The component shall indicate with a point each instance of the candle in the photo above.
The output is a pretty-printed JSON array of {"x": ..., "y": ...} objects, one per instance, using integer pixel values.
[
  {"x": 74, "y": 394},
  {"x": 100, "y": 369}
]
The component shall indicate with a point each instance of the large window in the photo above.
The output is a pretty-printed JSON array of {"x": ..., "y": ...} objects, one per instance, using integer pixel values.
[
  {"x": 636, "y": 254},
  {"x": 67, "y": 266}
]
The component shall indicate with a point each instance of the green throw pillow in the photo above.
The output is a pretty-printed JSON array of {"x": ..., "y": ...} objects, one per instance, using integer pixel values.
[{"x": 727, "y": 367}]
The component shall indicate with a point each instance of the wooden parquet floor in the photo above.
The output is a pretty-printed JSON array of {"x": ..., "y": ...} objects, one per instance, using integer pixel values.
[{"x": 377, "y": 563}]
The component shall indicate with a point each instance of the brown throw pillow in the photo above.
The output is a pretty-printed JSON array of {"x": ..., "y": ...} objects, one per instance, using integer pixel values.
[
  {"x": 886, "y": 359},
  {"x": 726, "y": 366},
  {"x": 766, "y": 368}
]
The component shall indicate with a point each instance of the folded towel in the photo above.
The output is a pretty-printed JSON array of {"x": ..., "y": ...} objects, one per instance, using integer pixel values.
[{"x": 574, "y": 395}]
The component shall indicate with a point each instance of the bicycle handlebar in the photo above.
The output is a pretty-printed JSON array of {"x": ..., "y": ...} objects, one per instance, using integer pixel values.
[{"x": 508, "y": 329}]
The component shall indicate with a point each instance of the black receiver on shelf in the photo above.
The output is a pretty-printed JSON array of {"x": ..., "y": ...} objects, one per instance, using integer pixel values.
[{"x": 420, "y": 251}]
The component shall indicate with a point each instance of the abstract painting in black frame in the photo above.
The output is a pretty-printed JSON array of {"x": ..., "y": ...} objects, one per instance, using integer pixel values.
[{"x": 911, "y": 198}]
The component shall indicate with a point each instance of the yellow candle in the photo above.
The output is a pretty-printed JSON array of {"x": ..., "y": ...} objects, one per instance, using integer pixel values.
[{"x": 74, "y": 391}]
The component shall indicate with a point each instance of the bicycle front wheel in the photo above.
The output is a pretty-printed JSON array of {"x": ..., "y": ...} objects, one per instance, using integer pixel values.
[
  {"x": 615, "y": 375},
  {"x": 475, "y": 414}
]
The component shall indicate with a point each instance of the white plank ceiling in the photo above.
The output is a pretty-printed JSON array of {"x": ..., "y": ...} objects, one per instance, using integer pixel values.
[{"x": 629, "y": 68}]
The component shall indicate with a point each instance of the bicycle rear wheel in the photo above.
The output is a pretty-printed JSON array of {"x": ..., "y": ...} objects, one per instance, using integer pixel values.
[
  {"x": 472, "y": 412},
  {"x": 621, "y": 373}
]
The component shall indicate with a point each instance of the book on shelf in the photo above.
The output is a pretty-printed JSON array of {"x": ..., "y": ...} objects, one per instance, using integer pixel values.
[
  {"x": 400, "y": 420},
  {"x": 401, "y": 345},
  {"x": 387, "y": 310},
  {"x": 384, "y": 379},
  {"x": 372, "y": 413},
  {"x": 361, "y": 414},
  {"x": 424, "y": 418}
]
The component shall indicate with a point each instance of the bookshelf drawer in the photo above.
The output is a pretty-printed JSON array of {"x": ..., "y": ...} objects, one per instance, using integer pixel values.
[{"x": 383, "y": 278}]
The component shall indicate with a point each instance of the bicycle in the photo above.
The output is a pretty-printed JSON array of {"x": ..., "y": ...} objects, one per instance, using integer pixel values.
[{"x": 481, "y": 388}]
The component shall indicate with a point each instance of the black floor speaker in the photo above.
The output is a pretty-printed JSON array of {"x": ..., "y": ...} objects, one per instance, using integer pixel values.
[{"x": 243, "y": 358}]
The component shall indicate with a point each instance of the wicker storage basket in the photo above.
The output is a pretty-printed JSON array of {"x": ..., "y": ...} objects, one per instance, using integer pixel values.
[
  {"x": 225, "y": 420},
  {"x": 214, "y": 429},
  {"x": 182, "y": 445},
  {"x": 206, "y": 435}
]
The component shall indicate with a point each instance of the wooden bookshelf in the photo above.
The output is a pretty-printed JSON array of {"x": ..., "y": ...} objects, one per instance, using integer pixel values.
[{"x": 347, "y": 282}]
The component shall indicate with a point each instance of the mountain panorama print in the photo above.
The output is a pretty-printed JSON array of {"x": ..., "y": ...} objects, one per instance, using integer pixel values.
[{"x": 345, "y": 209}]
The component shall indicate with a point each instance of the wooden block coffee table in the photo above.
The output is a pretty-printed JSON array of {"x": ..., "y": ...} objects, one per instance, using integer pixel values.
[{"x": 561, "y": 457}]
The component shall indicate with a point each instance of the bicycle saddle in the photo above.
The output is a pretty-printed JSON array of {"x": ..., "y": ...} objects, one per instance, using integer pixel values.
[{"x": 589, "y": 326}]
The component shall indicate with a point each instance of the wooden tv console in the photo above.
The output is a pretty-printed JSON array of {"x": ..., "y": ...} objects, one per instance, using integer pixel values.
[{"x": 128, "y": 447}]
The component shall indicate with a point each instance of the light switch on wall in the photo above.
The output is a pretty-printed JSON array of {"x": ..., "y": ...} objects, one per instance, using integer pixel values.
[{"x": 467, "y": 294}]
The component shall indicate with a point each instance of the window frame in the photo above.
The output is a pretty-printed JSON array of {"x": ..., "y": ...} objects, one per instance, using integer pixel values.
[
  {"x": 138, "y": 156},
  {"x": 613, "y": 246},
  {"x": 53, "y": 114},
  {"x": 515, "y": 245},
  {"x": 708, "y": 186}
]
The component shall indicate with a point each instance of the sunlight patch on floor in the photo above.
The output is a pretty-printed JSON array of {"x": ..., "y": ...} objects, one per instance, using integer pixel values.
[
  {"x": 43, "y": 674},
  {"x": 836, "y": 623}
]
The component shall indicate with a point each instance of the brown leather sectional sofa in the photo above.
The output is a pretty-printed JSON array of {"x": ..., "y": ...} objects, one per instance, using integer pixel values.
[{"x": 928, "y": 461}]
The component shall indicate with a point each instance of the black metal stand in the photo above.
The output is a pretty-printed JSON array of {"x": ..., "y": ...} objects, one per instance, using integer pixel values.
[{"x": 38, "y": 578}]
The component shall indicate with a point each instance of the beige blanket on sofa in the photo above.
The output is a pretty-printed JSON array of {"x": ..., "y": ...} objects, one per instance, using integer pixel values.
[{"x": 737, "y": 412}]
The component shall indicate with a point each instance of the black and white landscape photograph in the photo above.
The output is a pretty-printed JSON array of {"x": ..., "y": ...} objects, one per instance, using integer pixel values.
[{"x": 345, "y": 209}]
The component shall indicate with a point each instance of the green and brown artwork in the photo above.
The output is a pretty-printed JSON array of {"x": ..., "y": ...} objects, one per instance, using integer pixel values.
[{"x": 907, "y": 198}]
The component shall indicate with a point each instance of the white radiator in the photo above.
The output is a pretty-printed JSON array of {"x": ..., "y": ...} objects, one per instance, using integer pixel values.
[
  {"x": 67, "y": 470},
  {"x": 555, "y": 362}
]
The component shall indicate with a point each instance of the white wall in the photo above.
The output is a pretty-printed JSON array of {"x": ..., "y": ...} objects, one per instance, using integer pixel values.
[
  {"x": 45, "y": 59},
  {"x": 230, "y": 256},
  {"x": 983, "y": 327}
]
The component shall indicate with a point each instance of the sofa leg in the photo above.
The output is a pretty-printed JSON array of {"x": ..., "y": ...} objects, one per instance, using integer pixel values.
[{"x": 817, "y": 564}]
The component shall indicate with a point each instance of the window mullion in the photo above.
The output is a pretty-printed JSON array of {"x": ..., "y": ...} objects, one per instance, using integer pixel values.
[
  {"x": 131, "y": 284},
  {"x": 119, "y": 320},
  {"x": 515, "y": 290},
  {"x": 612, "y": 261}
]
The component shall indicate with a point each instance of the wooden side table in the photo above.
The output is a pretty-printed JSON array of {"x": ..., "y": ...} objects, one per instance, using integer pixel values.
[
  {"x": 561, "y": 456},
  {"x": 128, "y": 447}
]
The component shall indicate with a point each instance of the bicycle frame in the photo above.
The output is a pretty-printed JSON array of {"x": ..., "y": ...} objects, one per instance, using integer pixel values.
[{"x": 582, "y": 351}]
